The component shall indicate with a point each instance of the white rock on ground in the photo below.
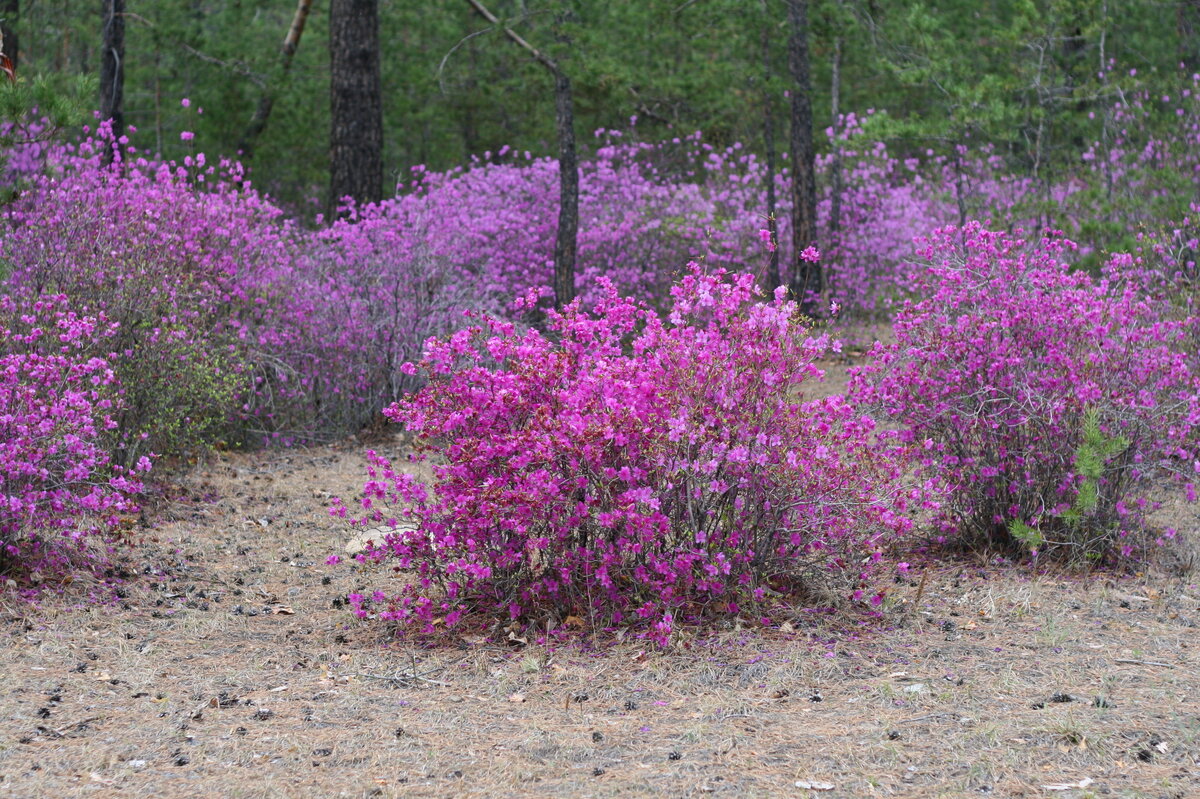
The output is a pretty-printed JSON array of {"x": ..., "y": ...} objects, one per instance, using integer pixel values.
[{"x": 358, "y": 543}]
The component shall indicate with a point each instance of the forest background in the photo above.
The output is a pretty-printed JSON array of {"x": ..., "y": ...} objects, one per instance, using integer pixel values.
[{"x": 1033, "y": 79}]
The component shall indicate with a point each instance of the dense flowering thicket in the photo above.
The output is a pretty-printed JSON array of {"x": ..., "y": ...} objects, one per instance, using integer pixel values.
[
  {"x": 371, "y": 288},
  {"x": 635, "y": 468},
  {"x": 57, "y": 487},
  {"x": 1046, "y": 402},
  {"x": 1043, "y": 402},
  {"x": 646, "y": 209},
  {"x": 187, "y": 274}
]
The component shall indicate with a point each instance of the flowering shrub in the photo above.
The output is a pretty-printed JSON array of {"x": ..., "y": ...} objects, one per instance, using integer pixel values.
[
  {"x": 372, "y": 288},
  {"x": 185, "y": 274},
  {"x": 1046, "y": 402},
  {"x": 234, "y": 324},
  {"x": 57, "y": 489},
  {"x": 646, "y": 207},
  {"x": 633, "y": 469}
]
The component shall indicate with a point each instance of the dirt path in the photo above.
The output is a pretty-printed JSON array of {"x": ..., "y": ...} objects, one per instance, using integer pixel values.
[{"x": 232, "y": 669}]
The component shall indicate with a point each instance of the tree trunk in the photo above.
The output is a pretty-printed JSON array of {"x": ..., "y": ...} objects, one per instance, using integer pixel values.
[
  {"x": 10, "y": 12},
  {"x": 566, "y": 238},
  {"x": 567, "y": 235},
  {"x": 1106, "y": 105},
  {"x": 112, "y": 70},
  {"x": 835, "y": 168},
  {"x": 806, "y": 277},
  {"x": 773, "y": 277},
  {"x": 356, "y": 104},
  {"x": 266, "y": 102}
]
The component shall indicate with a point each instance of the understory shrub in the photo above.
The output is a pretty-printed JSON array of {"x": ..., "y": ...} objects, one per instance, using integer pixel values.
[
  {"x": 371, "y": 289},
  {"x": 633, "y": 469},
  {"x": 184, "y": 271},
  {"x": 59, "y": 493},
  {"x": 1047, "y": 403}
]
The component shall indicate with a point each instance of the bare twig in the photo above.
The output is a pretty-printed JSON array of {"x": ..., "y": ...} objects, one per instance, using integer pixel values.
[
  {"x": 442, "y": 66},
  {"x": 515, "y": 37},
  {"x": 1133, "y": 662},
  {"x": 926, "y": 717},
  {"x": 403, "y": 679}
]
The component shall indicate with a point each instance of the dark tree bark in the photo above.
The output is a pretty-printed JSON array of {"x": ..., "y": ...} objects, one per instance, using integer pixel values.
[
  {"x": 835, "y": 180},
  {"x": 773, "y": 277},
  {"x": 835, "y": 168},
  {"x": 356, "y": 103},
  {"x": 565, "y": 241},
  {"x": 112, "y": 69},
  {"x": 10, "y": 12},
  {"x": 567, "y": 235},
  {"x": 266, "y": 102},
  {"x": 806, "y": 277}
]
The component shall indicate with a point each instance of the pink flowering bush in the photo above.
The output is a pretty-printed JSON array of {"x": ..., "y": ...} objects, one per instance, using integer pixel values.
[
  {"x": 1047, "y": 403},
  {"x": 647, "y": 207},
  {"x": 373, "y": 287},
  {"x": 58, "y": 490},
  {"x": 183, "y": 270},
  {"x": 235, "y": 324},
  {"x": 633, "y": 469}
]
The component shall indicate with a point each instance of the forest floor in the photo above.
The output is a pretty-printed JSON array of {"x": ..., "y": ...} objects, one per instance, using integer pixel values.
[{"x": 232, "y": 668}]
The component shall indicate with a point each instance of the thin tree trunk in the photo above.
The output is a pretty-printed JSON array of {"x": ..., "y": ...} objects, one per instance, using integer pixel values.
[
  {"x": 112, "y": 70},
  {"x": 158, "y": 120},
  {"x": 1106, "y": 110},
  {"x": 10, "y": 12},
  {"x": 960, "y": 194},
  {"x": 773, "y": 277},
  {"x": 565, "y": 242},
  {"x": 835, "y": 168},
  {"x": 266, "y": 102},
  {"x": 567, "y": 235},
  {"x": 356, "y": 102},
  {"x": 806, "y": 277}
]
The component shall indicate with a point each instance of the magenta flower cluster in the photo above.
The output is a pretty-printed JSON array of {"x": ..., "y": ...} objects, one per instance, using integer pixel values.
[
  {"x": 58, "y": 491},
  {"x": 635, "y": 468},
  {"x": 996, "y": 369}
]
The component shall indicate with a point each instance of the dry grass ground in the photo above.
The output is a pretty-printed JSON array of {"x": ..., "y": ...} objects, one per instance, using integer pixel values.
[{"x": 228, "y": 671}]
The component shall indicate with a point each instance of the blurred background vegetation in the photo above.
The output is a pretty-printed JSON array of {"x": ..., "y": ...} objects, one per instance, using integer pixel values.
[{"x": 1021, "y": 74}]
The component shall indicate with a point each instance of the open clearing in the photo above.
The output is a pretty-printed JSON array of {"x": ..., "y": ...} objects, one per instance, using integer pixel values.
[{"x": 233, "y": 674}]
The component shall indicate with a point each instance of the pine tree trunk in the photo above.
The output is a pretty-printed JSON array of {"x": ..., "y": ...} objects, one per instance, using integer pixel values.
[
  {"x": 112, "y": 70},
  {"x": 773, "y": 277},
  {"x": 566, "y": 239},
  {"x": 806, "y": 277},
  {"x": 356, "y": 105},
  {"x": 835, "y": 168}
]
